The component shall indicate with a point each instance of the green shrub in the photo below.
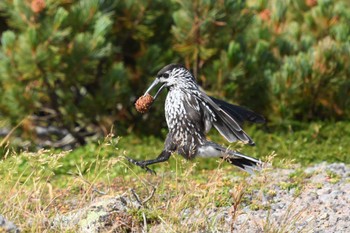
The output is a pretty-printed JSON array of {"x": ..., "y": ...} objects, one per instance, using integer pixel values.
[
  {"x": 81, "y": 65},
  {"x": 57, "y": 61}
]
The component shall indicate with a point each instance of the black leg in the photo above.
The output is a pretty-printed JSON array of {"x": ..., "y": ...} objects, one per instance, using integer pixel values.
[{"x": 164, "y": 156}]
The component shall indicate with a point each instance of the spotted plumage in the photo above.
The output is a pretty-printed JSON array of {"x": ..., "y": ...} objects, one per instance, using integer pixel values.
[{"x": 190, "y": 113}]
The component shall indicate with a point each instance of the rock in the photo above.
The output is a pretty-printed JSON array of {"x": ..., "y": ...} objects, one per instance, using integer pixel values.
[
  {"x": 104, "y": 215},
  {"x": 324, "y": 216},
  {"x": 7, "y": 225},
  {"x": 322, "y": 206}
]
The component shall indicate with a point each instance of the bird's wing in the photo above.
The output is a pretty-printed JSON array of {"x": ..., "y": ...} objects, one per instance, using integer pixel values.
[
  {"x": 240, "y": 114},
  {"x": 227, "y": 118}
]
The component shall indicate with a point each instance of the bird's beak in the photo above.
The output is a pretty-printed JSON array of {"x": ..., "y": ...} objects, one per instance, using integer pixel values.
[{"x": 155, "y": 83}]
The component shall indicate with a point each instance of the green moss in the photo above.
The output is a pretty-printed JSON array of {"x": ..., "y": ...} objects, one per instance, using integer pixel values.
[
  {"x": 270, "y": 193},
  {"x": 287, "y": 185},
  {"x": 332, "y": 177},
  {"x": 152, "y": 216},
  {"x": 254, "y": 206}
]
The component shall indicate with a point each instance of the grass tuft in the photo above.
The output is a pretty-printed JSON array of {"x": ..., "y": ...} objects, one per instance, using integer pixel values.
[{"x": 191, "y": 196}]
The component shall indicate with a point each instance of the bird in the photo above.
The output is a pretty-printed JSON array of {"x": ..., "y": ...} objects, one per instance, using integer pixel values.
[{"x": 190, "y": 113}]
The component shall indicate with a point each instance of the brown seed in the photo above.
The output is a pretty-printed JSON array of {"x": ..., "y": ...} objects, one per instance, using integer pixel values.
[
  {"x": 144, "y": 103},
  {"x": 38, "y": 5},
  {"x": 265, "y": 15},
  {"x": 311, "y": 3}
]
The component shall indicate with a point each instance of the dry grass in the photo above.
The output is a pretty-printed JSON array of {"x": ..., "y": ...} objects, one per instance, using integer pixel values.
[{"x": 34, "y": 190}]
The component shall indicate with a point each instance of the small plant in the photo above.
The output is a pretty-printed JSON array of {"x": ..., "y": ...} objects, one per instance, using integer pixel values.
[
  {"x": 237, "y": 195},
  {"x": 285, "y": 223},
  {"x": 332, "y": 177}
]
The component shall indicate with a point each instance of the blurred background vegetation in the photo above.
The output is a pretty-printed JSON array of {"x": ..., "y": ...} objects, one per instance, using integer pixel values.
[{"x": 70, "y": 70}]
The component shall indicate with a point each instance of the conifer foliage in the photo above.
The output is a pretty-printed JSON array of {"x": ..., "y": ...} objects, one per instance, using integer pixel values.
[
  {"x": 55, "y": 62},
  {"x": 80, "y": 65}
]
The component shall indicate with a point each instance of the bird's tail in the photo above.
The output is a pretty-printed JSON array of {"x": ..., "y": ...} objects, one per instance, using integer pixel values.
[{"x": 242, "y": 161}]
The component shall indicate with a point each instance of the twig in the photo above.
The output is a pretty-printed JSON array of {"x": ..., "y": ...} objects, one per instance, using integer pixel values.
[
  {"x": 98, "y": 191},
  {"x": 136, "y": 197},
  {"x": 144, "y": 223},
  {"x": 142, "y": 203},
  {"x": 150, "y": 196},
  {"x": 9, "y": 133},
  {"x": 89, "y": 183}
]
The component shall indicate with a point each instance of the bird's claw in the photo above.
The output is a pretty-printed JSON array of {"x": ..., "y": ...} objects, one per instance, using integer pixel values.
[
  {"x": 141, "y": 165},
  {"x": 151, "y": 171}
]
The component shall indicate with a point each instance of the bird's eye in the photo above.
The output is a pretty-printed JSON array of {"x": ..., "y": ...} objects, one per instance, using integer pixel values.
[{"x": 165, "y": 75}]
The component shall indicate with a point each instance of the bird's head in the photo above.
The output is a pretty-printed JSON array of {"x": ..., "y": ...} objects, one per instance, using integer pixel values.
[{"x": 173, "y": 75}]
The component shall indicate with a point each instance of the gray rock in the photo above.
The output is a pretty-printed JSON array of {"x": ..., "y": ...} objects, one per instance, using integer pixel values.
[
  {"x": 7, "y": 225},
  {"x": 100, "y": 216}
]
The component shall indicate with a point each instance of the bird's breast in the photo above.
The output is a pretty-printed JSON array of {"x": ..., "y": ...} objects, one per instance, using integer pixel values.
[
  {"x": 183, "y": 114},
  {"x": 175, "y": 111}
]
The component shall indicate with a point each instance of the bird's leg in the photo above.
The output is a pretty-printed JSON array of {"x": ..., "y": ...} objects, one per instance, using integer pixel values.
[{"x": 164, "y": 156}]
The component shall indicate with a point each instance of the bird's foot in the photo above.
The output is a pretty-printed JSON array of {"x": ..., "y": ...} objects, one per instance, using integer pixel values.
[{"x": 142, "y": 165}]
